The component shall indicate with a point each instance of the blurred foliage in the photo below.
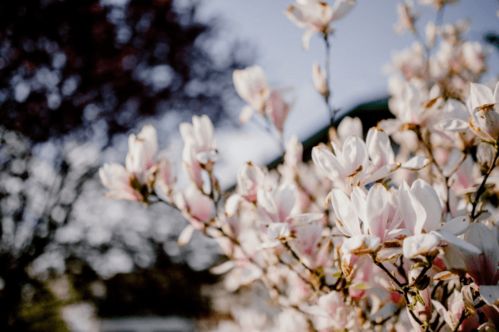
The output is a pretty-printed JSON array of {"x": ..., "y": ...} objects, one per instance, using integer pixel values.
[
  {"x": 69, "y": 64},
  {"x": 74, "y": 76}
]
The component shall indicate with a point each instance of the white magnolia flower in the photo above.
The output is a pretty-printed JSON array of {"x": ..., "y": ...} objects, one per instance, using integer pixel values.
[
  {"x": 197, "y": 207},
  {"x": 276, "y": 204},
  {"x": 315, "y": 16},
  {"x": 164, "y": 179},
  {"x": 249, "y": 179},
  {"x": 142, "y": 149},
  {"x": 252, "y": 87},
  {"x": 347, "y": 163},
  {"x": 199, "y": 140},
  {"x": 118, "y": 181},
  {"x": 132, "y": 181},
  {"x": 483, "y": 106}
]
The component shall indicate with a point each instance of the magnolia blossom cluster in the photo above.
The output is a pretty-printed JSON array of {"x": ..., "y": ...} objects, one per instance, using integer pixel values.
[{"x": 394, "y": 230}]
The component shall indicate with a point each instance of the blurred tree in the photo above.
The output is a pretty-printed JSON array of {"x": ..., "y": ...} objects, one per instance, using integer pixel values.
[{"x": 73, "y": 76}]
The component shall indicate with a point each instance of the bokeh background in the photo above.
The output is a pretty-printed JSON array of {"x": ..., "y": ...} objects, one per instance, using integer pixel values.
[{"x": 76, "y": 77}]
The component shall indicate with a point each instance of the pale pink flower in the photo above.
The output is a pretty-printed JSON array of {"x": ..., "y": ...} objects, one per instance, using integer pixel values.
[
  {"x": 164, "y": 179},
  {"x": 252, "y": 87},
  {"x": 119, "y": 183},
  {"x": 142, "y": 149},
  {"x": 483, "y": 267},
  {"x": 249, "y": 178},
  {"x": 199, "y": 139},
  {"x": 407, "y": 17},
  {"x": 199, "y": 208},
  {"x": 277, "y": 110},
  {"x": 315, "y": 16}
]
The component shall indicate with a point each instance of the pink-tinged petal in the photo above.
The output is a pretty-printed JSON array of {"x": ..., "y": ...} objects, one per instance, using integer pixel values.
[
  {"x": 427, "y": 196},
  {"x": 411, "y": 210},
  {"x": 249, "y": 178},
  {"x": 198, "y": 206},
  {"x": 251, "y": 85},
  {"x": 377, "y": 213},
  {"x": 327, "y": 162},
  {"x": 483, "y": 267},
  {"x": 285, "y": 198},
  {"x": 379, "y": 148},
  {"x": 346, "y": 213},
  {"x": 117, "y": 180},
  {"x": 277, "y": 110}
]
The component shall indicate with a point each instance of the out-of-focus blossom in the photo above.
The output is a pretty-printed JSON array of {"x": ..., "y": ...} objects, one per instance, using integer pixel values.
[
  {"x": 315, "y": 16},
  {"x": 136, "y": 179},
  {"x": 249, "y": 179},
  {"x": 119, "y": 183},
  {"x": 164, "y": 179},
  {"x": 407, "y": 17},
  {"x": 277, "y": 203},
  {"x": 276, "y": 109},
  {"x": 199, "y": 147},
  {"x": 196, "y": 206},
  {"x": 252, "y": 87},
  {"x": 198, "y": 138},
  {"x": 332, "y": 312}
]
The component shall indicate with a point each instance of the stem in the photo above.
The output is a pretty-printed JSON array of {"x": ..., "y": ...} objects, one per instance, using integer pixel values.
[
  {"x": 481, "y": 189},
  {"x": 327, "y": 69}
]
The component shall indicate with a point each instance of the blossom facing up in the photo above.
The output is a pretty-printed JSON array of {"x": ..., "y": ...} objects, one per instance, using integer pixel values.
[{"x": 315, "y": 16}]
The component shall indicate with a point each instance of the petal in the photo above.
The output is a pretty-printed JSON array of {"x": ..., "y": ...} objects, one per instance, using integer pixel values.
[{"x": 416, "y": 163}]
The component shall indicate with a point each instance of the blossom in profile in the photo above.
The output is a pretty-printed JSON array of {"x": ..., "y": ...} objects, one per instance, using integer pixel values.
[
  {"x": 119, "y": 183},
  {"x": 251, "y": 85},
  {"x": 199, "y": 147},
  {"x": 136, "y": 179}
]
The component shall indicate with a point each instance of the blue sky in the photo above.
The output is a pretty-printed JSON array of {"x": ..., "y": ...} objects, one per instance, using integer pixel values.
[{"x": 362, "y": 45}]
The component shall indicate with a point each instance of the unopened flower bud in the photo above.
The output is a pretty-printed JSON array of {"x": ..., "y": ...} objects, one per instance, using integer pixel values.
[{"x": 320, "y": 81}]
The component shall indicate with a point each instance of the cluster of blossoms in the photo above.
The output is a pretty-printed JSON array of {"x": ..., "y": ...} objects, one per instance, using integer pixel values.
[{"x": 398, "y": 230}]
